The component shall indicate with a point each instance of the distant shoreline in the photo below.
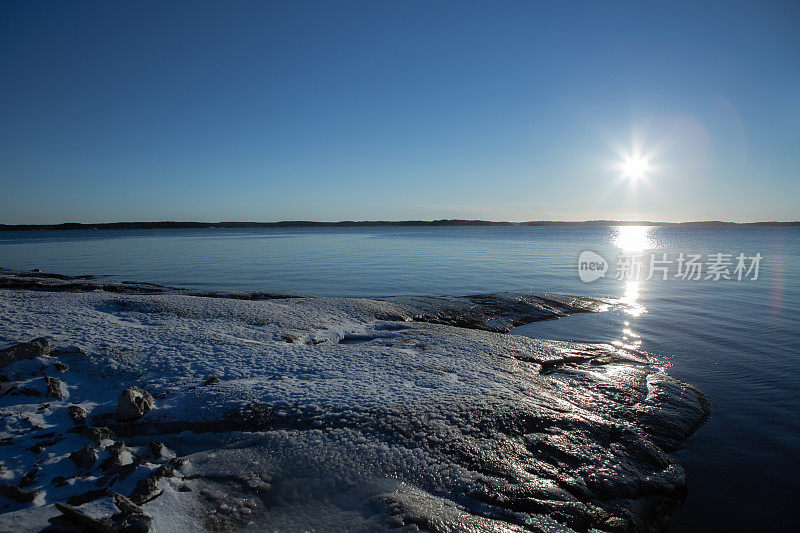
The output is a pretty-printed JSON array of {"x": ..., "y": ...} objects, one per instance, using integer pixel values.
[{"x": 368, "y": 223}]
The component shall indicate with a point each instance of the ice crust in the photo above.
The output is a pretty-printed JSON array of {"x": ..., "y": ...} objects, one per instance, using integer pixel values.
[{"x": 337, "y": 413}]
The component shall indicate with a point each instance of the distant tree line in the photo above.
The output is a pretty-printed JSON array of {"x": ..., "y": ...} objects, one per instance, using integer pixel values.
[{"x": 365, "y": 223}]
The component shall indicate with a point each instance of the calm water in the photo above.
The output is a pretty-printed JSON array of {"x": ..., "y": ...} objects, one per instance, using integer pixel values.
[{"x": 739, "y": 341}]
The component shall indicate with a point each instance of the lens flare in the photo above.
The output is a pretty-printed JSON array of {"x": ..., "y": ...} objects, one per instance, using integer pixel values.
[{"x": 635, "y": 167}]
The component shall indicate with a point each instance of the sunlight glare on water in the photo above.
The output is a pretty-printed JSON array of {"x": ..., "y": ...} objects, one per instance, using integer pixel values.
[
  {"x": 633, "y": 239},
  {"x": 633, "y": 307}
]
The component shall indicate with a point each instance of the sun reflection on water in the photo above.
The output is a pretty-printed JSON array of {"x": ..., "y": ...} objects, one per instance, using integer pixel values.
[
  {"x": 630, "y": 299},
  {"x": 632, "y": 240}
]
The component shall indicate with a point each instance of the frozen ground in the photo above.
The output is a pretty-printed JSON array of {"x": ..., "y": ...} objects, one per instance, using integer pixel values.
[{"x": 283, "y": 412}]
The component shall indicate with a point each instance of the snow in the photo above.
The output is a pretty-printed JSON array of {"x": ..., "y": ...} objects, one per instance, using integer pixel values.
[{"x": 334, "y": 413}]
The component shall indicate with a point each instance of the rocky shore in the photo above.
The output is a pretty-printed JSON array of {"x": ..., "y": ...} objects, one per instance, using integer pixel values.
[{"x": 135, "y": 407}]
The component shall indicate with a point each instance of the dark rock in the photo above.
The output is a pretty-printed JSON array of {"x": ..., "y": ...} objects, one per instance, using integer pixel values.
[
  {"x": 54, "y": 388},
  {"x": 61, "y": 367},
  {"x": 84, "y": 458},
  {"x": 97, "y": 434},
  {"x": 178, "y": 462},
  {"x": 43, "y": 407},
  {"x": 97, "y": 525},
  {"x": 28, "y": 479},
  {"x": 157, "y": 448},
  {"x": 59, "y": 481},
  {"x": 114, "y": 460},
  {"x": 117, "y": 448},
  {"x": 103, "y": 419},
  {"x": 90, "y": 496},
  {"x": 160, "y": 452},
  {"x": 26, "y": 350},
  {"x": 213, "y": 378},
  {"x": 499, "y": 312},
  {"x": 125, "y": 505},
  {"x": 163, "y": 471},
  {"x": 62, "y": 524},
  {"x": 111, "y": 464},
  {"x": 118, "y": 472},
  {"x": 50, "y": 442},
  {"x": 128, "y": 469},
  {"x": 77, "y": 414},
  {"x": 146, "y": 489},
  {"x": 133, "y": 403},
  {"x": 16, "y": 493}
]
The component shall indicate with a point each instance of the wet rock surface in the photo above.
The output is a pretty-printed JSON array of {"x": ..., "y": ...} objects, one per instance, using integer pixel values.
[{"x": 33, "y": 280}]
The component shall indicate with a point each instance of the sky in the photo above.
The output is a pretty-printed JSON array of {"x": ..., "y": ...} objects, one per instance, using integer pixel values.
[{"x": 396, "y": 110}]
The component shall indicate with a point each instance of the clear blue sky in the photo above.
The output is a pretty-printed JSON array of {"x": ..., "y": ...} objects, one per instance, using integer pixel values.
[{"x": 398, "y": 110}]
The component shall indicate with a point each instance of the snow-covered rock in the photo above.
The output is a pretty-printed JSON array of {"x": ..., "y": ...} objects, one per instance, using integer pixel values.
[{"x": 402, "y": 412}]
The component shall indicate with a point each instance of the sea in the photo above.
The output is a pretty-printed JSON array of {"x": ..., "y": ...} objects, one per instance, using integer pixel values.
[{"x": 719, "y": 307}]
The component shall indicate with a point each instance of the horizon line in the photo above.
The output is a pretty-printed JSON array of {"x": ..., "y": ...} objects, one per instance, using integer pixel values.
[{"x": 170, "y": 224}]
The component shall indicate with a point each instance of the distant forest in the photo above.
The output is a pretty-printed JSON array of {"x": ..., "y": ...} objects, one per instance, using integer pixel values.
[{"x": 368, "y": 223}]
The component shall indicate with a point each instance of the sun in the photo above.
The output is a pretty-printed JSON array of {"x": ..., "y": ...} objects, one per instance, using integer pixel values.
[{"x": 635, "y": 167}]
